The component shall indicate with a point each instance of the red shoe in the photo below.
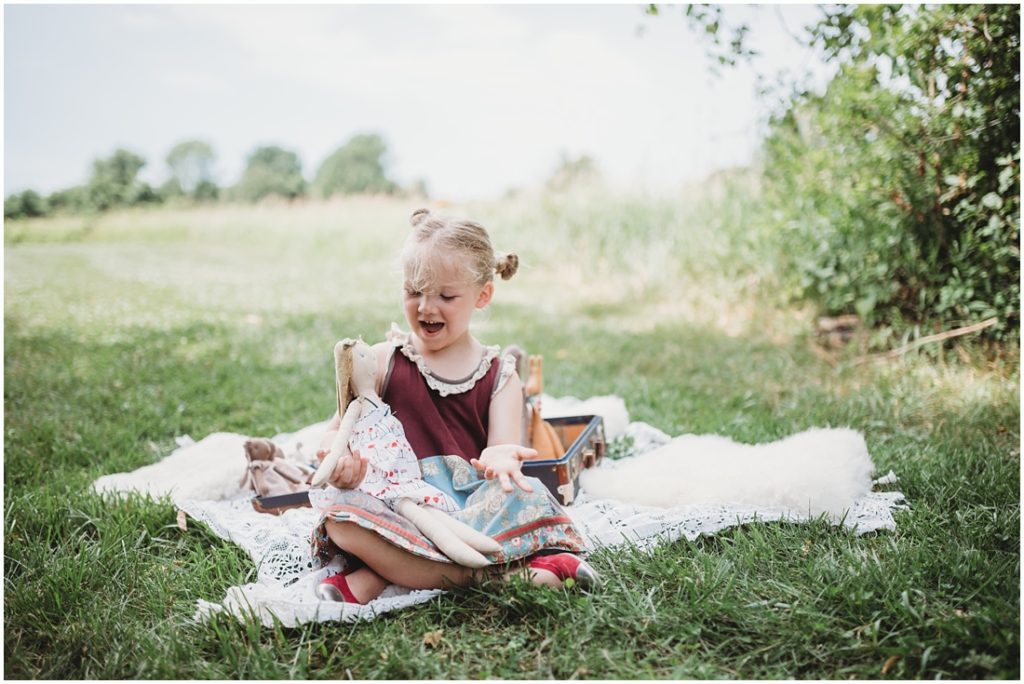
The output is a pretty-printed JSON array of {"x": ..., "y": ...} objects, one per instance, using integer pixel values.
[
  {"x": 335, "y": 588},
  {"x": 567, "y": 566}
]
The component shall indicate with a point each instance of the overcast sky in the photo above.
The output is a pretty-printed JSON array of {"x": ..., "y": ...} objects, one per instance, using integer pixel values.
[{"x": 474, "y": 99}]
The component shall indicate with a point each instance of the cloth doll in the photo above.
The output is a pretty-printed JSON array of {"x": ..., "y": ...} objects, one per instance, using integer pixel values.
[{"x": 269, "y": 473}]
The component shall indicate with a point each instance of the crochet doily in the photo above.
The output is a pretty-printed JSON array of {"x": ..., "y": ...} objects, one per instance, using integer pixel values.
[{"x": 279, "y": 545}]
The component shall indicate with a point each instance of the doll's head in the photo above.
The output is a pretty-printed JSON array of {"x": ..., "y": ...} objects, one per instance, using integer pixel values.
[
  {"x": 356, "y": 370},
  {"x": 262, "y": 450},
  {"x": 444, "y": 244}
]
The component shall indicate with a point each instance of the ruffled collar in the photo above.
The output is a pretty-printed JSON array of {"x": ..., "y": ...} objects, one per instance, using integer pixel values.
[{"x": 443, "y": 386}]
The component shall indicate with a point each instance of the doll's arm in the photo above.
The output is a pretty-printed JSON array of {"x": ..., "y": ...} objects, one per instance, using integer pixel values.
[
  {"x": 329, "y": 434},
  {"x": 339, "y": 444}
]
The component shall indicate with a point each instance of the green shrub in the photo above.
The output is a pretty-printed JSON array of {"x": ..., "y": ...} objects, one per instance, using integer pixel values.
[{"x": 894, "y": 194}]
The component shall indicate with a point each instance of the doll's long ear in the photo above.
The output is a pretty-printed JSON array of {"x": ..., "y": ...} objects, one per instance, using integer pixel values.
[{"x": 343, "y": 373}]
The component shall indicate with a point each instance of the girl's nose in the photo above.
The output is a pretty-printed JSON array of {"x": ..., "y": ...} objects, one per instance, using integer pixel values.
[{"x": 425, "y": 304}]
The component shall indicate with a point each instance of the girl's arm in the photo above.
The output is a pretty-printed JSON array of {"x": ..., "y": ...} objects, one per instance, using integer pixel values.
[
  {"x": 504, "y": 455},
  {"x": 506, "y": 414}
]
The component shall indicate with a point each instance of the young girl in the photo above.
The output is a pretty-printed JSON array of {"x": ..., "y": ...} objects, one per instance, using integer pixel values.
[{"x": 460, "y": 404}]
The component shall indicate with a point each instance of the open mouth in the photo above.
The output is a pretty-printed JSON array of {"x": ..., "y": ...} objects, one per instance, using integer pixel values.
[{"x": 431, "y": 327}]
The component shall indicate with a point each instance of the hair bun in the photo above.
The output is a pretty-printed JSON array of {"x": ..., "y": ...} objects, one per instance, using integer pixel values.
[
  {"x": 506, "y": 266},
  {"x": 419, "y": 216}
]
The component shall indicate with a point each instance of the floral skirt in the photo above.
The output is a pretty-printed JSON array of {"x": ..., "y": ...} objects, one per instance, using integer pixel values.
[{"x": 522, "y": 523}]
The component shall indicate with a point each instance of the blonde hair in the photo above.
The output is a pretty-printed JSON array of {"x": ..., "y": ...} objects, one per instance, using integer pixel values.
[{"x": 448, "y": 238}]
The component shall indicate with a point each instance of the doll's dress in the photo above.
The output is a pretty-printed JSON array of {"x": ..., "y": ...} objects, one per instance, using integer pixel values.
[
  {"x": 447, "y": 426},
  {"x": 392, "y": 470}
]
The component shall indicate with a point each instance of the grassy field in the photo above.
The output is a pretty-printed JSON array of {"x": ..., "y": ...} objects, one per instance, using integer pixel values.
[{"x": 124, "y": 331}]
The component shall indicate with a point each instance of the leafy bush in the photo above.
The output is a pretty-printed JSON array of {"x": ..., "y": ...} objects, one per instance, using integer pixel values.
[{"x": 895, "y": 193}]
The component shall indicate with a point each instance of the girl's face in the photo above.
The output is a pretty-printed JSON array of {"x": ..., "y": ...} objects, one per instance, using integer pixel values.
[{"x": 440, "y": 313}]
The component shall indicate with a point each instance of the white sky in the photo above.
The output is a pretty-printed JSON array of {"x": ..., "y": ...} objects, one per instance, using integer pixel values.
[{"x": 473, "y": 98}]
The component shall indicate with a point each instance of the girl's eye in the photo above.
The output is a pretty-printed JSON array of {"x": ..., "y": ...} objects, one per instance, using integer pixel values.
[
  {"x": 411, "y": 293},
  {"x": 448, "y": 298}
]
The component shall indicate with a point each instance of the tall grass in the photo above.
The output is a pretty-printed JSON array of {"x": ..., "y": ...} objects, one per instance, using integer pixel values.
[{"x": 126, "y": 330}]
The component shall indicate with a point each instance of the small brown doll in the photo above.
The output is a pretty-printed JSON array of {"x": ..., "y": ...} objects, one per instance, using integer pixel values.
[{"x": 269, "y": 473}]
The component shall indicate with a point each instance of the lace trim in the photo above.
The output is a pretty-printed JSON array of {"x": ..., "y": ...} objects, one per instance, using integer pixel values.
[
  {"x": 442, "y": 386},
  {"x": 508, "y": 367}
]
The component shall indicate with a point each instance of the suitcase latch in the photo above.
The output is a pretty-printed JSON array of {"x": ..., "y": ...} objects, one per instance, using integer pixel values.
[{"x": 568, "y": 492}]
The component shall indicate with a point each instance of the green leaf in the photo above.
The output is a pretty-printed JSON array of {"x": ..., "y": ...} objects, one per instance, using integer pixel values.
[
  {"x": 992, "y": 200},
  {"x": 1006, "y": 178}
]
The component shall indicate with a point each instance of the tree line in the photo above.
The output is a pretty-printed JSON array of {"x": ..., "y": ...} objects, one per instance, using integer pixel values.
[{"x": 357, "y": 167}]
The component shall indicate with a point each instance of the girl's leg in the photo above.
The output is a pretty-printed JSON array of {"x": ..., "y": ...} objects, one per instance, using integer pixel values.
[{"x": 388, "y": 564}]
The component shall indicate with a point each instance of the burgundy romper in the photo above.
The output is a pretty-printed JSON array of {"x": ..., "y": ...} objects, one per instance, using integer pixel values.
[{"x": 436, "y": 425}]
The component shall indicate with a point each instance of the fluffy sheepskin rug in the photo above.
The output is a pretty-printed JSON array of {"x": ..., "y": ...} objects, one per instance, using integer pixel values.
[{"x": 816, "y": 471}]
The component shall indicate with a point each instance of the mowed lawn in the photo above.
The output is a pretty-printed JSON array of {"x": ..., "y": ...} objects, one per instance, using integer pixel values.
[{"x": 127, "y": 330}]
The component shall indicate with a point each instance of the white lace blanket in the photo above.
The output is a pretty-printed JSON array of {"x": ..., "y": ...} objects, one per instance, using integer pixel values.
[{"x": 279, "y": 545}]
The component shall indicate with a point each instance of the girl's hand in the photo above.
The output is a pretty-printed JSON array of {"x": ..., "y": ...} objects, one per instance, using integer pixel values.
[
  {"x": 505, "y": 461},
  {"x": 350, "y": 471}
]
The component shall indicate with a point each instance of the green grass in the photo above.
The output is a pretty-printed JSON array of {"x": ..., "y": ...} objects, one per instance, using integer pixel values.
[{"x": 124, "y": 331}]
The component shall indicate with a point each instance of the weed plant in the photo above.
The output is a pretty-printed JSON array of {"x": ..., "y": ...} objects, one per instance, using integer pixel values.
[{"x": 127, "y": 330}]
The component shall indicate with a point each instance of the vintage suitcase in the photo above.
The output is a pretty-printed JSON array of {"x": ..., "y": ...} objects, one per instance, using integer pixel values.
[
  {"x": 584, "y": 437},
  {"x": 275, "y": 505}
]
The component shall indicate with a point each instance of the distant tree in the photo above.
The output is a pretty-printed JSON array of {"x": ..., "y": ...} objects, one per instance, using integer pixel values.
[
  {"x": 206, "y": 191},
  {"x": 573, "y": 171},
  {"x": 357, "y": 167},
  {"x": 271, "y": 170},
  {"x": 12, "y": 207},
  {"x": 143, "y": 193},
  {"x": 27, "y": 204},
  {"x": 74, "y": 199},
  {"x": 191, "y": 163},
  {"x": 113, "y": 182},
  {"x": 171, "y": 190}
]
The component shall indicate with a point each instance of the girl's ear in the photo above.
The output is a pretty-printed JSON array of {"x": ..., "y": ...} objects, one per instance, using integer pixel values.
[{"x": 484, "y": 298}]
